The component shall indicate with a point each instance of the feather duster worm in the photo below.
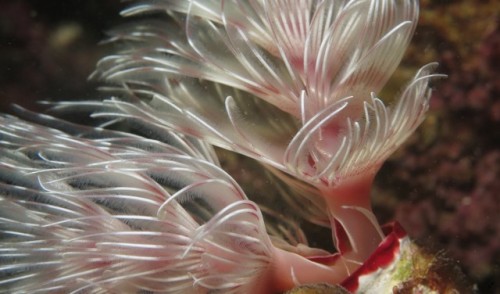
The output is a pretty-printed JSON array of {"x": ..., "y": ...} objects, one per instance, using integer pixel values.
[
  {"x": 292, "y": 84},
  {"x": 215, "y": 68},
  {"x": 106, "y": 211}
]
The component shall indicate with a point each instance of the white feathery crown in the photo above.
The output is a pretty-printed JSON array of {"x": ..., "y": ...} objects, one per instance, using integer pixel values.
[
  {"x": 214, "y": 68},
  {"x": 109, "y": 211}
]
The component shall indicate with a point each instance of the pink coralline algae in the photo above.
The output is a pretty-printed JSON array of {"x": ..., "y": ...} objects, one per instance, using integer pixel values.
[{"x": 455, "y": 178}]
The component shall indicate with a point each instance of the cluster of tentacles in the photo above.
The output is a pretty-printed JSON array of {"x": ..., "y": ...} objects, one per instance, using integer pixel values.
[{"x": 291, "y": 84}]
